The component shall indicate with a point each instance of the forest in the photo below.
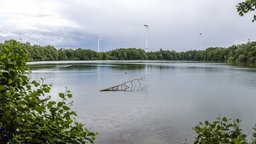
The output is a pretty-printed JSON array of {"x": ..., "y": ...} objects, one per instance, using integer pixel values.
[{"x": 242, "y": 54}]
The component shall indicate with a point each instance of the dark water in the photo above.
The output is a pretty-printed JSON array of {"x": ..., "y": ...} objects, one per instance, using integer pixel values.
[{"x": 173, "y": 98}]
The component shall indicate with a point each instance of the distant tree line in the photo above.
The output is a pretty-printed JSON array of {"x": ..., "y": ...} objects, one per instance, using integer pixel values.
[{"x": 236, "y": 54}]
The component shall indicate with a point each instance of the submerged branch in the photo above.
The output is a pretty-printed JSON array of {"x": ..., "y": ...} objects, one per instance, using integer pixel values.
[{"x": 130, "y": 85}]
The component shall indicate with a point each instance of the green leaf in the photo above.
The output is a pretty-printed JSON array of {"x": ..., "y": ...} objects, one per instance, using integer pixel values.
[
  {"x": 224, "y": 119},
  {"x": 9, "y": 81},
  {"x": 91, "y": 134},
  {"x": 61, "y": 95},
  {"x": 60, "y": 104},
  {"x": 50, "y": 104},
  {"x": 8, "y": 94},
  {"x": 6, "y": 49},
  {"x": 70, "y": 95},
  {"x": 66, "y": 108},
  {"x": 2, "y": 88}
]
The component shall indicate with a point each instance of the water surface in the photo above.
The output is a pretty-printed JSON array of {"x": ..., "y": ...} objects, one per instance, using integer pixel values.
[{"x": 175, "y": 96}]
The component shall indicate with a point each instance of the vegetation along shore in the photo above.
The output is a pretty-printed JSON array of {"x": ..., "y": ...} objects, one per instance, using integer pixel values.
[{"x": 242, "y": 54}]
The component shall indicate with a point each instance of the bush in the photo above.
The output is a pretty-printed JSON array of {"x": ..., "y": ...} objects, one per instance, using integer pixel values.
[
  {"x": 27, "y": 112},
  {"x": 221, "y": 131}
]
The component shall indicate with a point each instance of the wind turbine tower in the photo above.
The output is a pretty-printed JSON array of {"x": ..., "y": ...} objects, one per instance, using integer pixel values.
[
  {"x": 200, "y": 40},
  {"x": 98, "y": 41},
  {"x": 147, "y": 35}
]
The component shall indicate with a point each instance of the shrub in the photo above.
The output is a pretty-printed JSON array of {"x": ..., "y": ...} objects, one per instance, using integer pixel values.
[
  {"x": 221, "y": 131},
  {"x": 27, "y": 112}
]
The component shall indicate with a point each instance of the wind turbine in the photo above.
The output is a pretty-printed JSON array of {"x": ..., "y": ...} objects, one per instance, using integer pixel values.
[
  {"x": 98, "y": 41},
  {"x": 147, "y": 34},
  {"x": 200, "y": 40}
]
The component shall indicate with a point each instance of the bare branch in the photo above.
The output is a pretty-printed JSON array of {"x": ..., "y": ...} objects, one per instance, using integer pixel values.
[{"x": 127, "y": 86}]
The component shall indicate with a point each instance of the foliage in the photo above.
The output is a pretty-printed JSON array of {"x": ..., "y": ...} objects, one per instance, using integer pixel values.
[
  {"x": 223, "y": 130},
  {"x": 27, "y": 112},
  {"x": 236, "y": 54},
  {"x": 245, "y": 7},
  {"x": 128, "y": 54}
]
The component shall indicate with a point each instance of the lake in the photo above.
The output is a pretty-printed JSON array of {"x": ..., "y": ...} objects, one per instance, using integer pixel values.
[{"x": 173, "y": 97}]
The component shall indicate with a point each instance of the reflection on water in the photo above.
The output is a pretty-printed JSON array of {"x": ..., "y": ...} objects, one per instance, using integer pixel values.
[{"x": 176, "y": 96}]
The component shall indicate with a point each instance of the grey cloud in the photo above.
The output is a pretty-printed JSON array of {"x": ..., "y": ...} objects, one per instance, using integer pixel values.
[{"x": 173, "y": 25}]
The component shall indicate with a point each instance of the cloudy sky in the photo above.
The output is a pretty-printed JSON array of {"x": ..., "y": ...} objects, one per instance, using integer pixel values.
[{"x": 173, "y": 24}]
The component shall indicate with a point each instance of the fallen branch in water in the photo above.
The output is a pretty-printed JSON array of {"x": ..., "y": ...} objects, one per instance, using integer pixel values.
[{"x": 131, "y": 85}]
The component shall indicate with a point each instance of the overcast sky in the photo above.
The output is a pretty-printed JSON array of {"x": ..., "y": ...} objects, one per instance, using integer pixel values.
[{"x": 173, "y": 24}]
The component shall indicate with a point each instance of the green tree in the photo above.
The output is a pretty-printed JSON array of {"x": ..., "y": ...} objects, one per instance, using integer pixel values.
[
  {"x": 27, "y": 112},
  {"x": 245, "y": 7},
  {"x": 243, "y": 54},
  {"x": 62, "y": 55},
  {"x": 151, "y": 56}
]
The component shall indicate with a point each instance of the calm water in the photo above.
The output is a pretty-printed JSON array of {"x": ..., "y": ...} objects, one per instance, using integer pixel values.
[{"x": 174, "y": 97}]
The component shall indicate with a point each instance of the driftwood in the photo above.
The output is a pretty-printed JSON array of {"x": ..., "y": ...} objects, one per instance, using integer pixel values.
[{"x": 131, "y": 85}]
